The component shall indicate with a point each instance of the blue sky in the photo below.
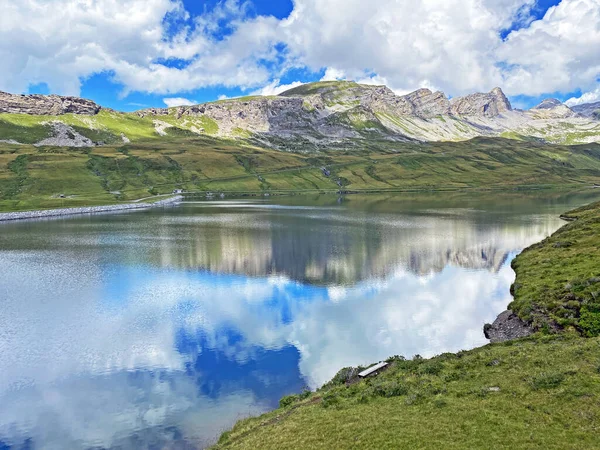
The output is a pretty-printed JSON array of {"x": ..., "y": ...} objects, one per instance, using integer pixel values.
[{"x": 150, "y": 53}]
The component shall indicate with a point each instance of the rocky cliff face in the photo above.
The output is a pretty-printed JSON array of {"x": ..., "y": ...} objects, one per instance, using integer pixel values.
[
  {"x": 336, "y": 110},
  {"x": 588, "y": 109},
  {"x": 428, "y": 104},
  {"x": 46, "y": 105},
  {"x": 491, "y": 104}
]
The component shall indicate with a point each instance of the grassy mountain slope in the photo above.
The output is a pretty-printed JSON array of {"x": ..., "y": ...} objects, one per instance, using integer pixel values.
[
  {"x": 39, "y": 177},
  {"x": 107, "y": 127},
  {"x": 538, "y": 392}
]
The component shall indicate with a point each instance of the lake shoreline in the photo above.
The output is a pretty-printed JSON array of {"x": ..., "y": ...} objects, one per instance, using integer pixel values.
[
  {"x": 64, "y": 212},
  {"x": 564, "y": 343}
]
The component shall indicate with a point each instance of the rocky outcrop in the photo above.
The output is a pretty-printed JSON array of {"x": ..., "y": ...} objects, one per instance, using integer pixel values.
[
  {"x": 491, "y": 104},
  {"x": 65, "y": 136},
  {"x": 551, "y": 108},
  {"x": 428, "y": 104},
  {"x": 549, "y": 103},
  {"x": 506, "y": 327},
  {"x": 46, "y": 105},
  {"x": 588, "y": 110}
]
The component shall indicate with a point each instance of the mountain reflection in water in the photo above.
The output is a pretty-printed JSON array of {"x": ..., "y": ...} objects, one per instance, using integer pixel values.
[{"x": 161, "y": 328}]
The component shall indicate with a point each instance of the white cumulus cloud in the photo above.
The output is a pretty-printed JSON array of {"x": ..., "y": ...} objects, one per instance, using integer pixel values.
[
  {"x": 588, "y": 97},
  {"x": 276, "y": 88},
  {"x": 156, "y": 46},
  {"x": 178, "y": 101}
]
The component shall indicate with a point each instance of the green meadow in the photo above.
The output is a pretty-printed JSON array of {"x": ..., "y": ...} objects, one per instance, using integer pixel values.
[{"x": 48, "y": 177}]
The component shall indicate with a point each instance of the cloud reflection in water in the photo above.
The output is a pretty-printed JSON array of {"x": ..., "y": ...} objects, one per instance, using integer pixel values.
[{"x": 164, "y": 328}]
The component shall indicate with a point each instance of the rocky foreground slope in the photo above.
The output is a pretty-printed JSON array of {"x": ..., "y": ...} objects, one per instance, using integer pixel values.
[{"x": 312, "y": 116}]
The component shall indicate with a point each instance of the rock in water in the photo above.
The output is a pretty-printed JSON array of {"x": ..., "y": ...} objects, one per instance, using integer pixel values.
[
  {"x": 46, "y": 105},
  {"x": 506, "y": 327}
]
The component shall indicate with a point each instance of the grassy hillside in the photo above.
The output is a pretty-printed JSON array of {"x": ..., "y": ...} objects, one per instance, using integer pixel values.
[
  {"x": 537, "y": 392},
  {"x": 540, "y": 392},
  {"x": 558, "y": 280},
  {"x": 46, "y": 177},
  {"x": 107, "y": 127}
]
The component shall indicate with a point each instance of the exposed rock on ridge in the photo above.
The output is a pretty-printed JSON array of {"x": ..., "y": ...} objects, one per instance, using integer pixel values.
[
  {"x": 328, "y": 115},
  {"x": 491, "y": 104},
  {"x": 552, "y": 108},
  {"x": 588, "y": 109},
  {"x": 46, "y": 105},
  {"x": 429, "y": 104}
]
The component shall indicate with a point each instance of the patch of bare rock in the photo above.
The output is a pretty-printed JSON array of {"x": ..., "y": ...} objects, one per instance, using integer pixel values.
[
  {"x": 65, "y": 136},
  {"x": 506, "y": 327},
  {"x": 46, "y": 105}
]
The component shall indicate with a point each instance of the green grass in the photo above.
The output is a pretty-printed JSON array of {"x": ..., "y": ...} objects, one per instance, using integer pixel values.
[
  {"x": 123, "y": 172},
  {"x": 106, "y": 127},
  {"x": 558, "y": 279},
  {"x": 541, "y": 392}
]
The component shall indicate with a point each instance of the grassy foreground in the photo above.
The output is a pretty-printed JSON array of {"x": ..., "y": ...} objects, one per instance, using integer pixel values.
[
  {"x": 541, "y": 392},
  {"x": 538, "y": 392},
  {"x": 50, "y": 177}
]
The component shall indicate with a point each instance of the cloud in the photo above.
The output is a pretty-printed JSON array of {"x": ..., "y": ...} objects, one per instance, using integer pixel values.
[
  {"x": 558, "y": 53},
  {"x": 448, "y": 43},
  {"x": 158, "y": 47},
  {"x": 275, "y": 88},
  {"x": 178, "y": 101},
  {"x": 588, "y": 97}
]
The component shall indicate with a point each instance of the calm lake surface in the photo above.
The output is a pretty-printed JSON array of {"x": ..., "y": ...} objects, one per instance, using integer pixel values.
[{"x": 160, "y": 328}]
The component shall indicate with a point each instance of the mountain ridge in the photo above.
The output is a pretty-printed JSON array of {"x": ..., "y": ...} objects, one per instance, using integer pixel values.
[{"x": 310, "y": 117}]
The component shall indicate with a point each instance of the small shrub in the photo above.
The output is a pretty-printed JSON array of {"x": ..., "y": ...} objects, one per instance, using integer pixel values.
[
  {"x": 452, "y": 376},
  {"x": 224, "y": 437},
  {"x": 389, "y": 389},
  {"x": 363, "y": 398},
  {"x": 432, "y": 368},
  {"x": 330, "y": 400},
  {"x": 414, "y": 398},
  {"x": 547, "y": 380},
  {"x": 440, "y": 402},
  {"x": 479, "y": 392},
  {"x": 589, "y": 320},
  {"x": 305, "y": 394},
  {"x": 288, "y": 400}
]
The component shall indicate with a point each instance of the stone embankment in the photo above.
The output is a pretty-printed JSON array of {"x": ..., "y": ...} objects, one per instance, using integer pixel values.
[{"x": 42, "y": 214}]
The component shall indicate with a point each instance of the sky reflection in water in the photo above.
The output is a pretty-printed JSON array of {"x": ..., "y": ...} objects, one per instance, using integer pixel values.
[{"x": 162, "y": 328}]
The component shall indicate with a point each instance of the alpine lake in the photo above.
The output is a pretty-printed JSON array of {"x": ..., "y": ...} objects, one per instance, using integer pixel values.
[{"x": 161, "y": 328}]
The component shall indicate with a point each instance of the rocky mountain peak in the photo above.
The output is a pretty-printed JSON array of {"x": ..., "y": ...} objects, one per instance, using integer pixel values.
[
  {"x": 549, "y": 103},
  {"x": 552, "y": 108},
  {"x": 46, "y": 105},
  {"x": 491, "y": 104}
]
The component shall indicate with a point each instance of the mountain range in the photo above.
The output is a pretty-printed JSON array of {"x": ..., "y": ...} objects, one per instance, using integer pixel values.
[{"x": 322, "y": 115}]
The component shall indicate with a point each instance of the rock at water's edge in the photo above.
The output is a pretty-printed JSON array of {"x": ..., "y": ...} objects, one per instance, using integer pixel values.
[{"x": 506, "y": 327}]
